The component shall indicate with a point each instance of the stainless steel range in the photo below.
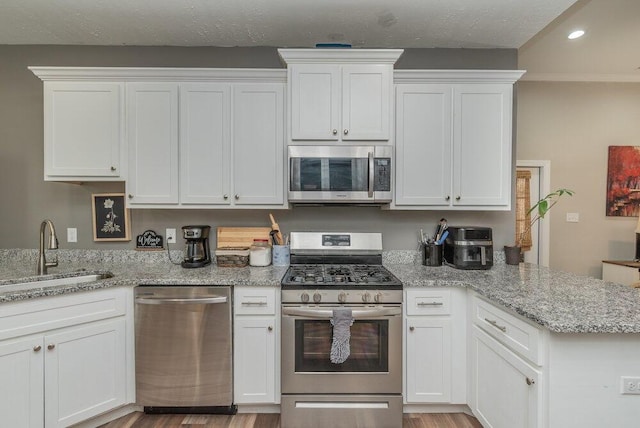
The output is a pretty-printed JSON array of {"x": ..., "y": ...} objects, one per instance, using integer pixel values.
[{"x": 338, "y": 271}]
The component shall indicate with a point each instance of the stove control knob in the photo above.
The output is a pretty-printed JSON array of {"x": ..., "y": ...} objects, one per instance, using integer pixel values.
[
  {"x": 366, "y": 297},
  {"x": 304, "y": 297},
  {"x": 317, "y": 297},
  {"x": 378, "y": 297},
  {"x": 342, "y": 297}
]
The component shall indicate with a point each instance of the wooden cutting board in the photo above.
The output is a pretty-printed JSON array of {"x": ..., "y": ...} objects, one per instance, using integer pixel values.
[{"x": 240, "y": 236}]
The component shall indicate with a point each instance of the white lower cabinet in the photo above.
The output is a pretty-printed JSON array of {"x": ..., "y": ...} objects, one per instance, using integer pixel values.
[
  {"x": 506, "y": 370},
  {"x": 60, "y": 377},
  {"x": 256, "y": 360},
  {"x": 435, "y": 351}
]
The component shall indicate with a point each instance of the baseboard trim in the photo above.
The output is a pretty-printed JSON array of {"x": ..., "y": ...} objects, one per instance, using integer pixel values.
[
  {"x": 258, "y": 408},
  {"x": 107, "y": 417},
  {"x": 437, "y": 408}
]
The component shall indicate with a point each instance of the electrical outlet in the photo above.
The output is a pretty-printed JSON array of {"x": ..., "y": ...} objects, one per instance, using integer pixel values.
[
  {"x": 171, "y": 236},
  {"x": 573, "y": 217},
  {"x": 72, "y": 234},
  {"x": 630, "y": 385}
]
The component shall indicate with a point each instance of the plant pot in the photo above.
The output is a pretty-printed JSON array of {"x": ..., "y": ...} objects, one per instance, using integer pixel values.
[{"x": 512, "y": 255}]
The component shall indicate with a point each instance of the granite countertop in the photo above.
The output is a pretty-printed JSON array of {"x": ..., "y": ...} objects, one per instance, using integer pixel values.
[{"x": 560, "y": 301}]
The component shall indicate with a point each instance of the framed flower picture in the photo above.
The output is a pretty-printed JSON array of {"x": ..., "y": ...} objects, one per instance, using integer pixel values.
[{"x": 110, "y": 217}]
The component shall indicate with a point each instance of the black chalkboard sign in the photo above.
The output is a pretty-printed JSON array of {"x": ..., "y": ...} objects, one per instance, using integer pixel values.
[{"x": 149, "y": 240}]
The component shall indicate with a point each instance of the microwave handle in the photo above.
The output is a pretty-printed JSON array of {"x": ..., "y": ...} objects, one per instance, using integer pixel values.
[{"x": 371, "y": 174}]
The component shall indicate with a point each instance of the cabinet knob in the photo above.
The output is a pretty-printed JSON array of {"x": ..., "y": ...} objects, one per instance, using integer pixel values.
[
  {"x": 447, "y": 198},
  {"x": 225, "y": 197},
  {"x": 346, "y": 131},
  {"x": 270, "y": 328},
  {"x": 335, "y": 132},
  {"x": 51, "y": 346},
  {"x": 113, "y": 168},
  {"x": 237, "y": 196},
  {"x": 457, "y": 198},
  {"x": 412, "y": 328},
  {"x": 130, "y": 196},
  {"x": 530, "y": 381},
  {"x": 37, "y": 348}
]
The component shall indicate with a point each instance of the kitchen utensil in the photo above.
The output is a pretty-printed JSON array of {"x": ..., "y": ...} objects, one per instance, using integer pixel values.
[{"x": 276, "y": 227}]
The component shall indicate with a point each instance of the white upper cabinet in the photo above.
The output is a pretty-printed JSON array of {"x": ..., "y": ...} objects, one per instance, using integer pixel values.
[
  {"x": 340, "y": 94},
  {"x": 258, "y": 144},
  {"x": 152, "y": 131},
  {"x": 454, "y": 139},
  {"x": 83, "y": 131},
  {"x": 205, "y": 143}
]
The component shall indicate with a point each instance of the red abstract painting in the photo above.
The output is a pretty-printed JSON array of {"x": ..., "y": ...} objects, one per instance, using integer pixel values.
[{"x": 623, "y": 181}]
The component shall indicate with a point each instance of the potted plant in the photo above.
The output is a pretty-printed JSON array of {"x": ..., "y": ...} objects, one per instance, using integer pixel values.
[{"x": 513, "y": 254}]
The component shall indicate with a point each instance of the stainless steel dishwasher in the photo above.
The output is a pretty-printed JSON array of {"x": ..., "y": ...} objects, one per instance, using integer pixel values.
[{"x": 183, "y": 349}]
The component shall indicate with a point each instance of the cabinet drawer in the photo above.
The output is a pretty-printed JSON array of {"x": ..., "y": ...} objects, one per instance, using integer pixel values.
[
  {"x": 516, "y": 334},
  {"x": 48, "y": 313},
  {"x": 254, "y": 301},
  {"x": 430, "y": 301}
]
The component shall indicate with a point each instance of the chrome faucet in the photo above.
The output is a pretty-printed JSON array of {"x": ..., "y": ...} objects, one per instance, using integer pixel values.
[{"x": 43, "y": 264}]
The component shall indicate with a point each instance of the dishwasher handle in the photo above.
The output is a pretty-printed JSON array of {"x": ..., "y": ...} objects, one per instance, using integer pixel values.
[{"x": 181, "y": 301}]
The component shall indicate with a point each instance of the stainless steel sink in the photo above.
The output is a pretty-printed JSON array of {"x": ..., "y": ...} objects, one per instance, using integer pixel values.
[{"x": 81, "y": 278}]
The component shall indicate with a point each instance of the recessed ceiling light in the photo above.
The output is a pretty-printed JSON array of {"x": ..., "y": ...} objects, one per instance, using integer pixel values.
[{"x": 576, "y": 34}]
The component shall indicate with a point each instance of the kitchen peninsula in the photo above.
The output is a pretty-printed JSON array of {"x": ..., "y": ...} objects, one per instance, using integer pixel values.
[{"x": 568, "y": 340}]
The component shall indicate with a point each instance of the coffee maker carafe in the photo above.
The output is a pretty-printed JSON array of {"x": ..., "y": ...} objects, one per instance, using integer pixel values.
[{"x": 197, "y": 251}]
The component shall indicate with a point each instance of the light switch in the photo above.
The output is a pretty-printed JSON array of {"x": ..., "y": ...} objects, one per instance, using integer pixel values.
[
  {"x": 72, "y": 234},
  {"x": 573, "y": 217}
]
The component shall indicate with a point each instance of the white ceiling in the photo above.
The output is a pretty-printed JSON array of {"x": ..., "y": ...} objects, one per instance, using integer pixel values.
[
  {"x": 538, "y": 28},
  {"x": 280, "y": 23}
]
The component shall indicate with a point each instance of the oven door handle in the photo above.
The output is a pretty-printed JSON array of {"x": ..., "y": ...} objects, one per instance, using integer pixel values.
[{"x": 328, "y": 313}]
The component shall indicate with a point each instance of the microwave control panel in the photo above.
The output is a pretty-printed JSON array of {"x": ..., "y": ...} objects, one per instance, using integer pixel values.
[{"x": 382, "y": 175}]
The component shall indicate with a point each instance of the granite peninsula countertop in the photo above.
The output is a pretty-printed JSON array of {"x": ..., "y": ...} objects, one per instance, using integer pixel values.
[{"x": 560, "y": 301}]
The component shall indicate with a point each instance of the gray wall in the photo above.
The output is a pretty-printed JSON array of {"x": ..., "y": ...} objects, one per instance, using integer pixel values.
[{"x": 26, "y": 199}]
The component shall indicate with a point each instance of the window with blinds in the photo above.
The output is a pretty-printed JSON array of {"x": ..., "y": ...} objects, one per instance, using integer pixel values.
[{"x": 523, "y": 204}]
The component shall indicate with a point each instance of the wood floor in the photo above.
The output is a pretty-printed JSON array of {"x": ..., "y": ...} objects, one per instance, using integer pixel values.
[{"x": 253, "y": 420}]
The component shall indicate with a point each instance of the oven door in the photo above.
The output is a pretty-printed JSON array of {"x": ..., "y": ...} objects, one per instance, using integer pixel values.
[
  {"x": 331, "y": 174},
  {"x": 374, "y": 364}
]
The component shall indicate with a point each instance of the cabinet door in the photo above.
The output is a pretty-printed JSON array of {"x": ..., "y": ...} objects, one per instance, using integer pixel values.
[
  {"x": 258, "y": 144},
  {"x": 83, "y": 129},
  {"x": 152, "y": 125},
  {"x": 506, "y": 390},
  {"x": 84, "y": 372},
  {"x": 366, "y": 102},
  {"x": 205, "y": 169},
  {"x": 21, "y": 388},
  {"x": 315, "y": 102},
  {"x": 254, "y": 360},
  {"x": 482, "y": 145},
  {"x": 423, "y": 144},
  {"x": 428, "y": 360}
]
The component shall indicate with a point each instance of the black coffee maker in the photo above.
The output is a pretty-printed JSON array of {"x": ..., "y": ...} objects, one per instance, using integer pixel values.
[{"x": 197, "y": 251}]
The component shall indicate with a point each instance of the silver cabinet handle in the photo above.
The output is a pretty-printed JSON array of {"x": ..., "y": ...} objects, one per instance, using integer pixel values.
[
  {"x": 496, "y": 325},
  {"x": 113, "y": 168},
  {"x": 457, "y": 198},
  {"x": 530, "y": 381},
  {"x": 430, "y": 303},
  {"x": 130, "y": 196},
  {"x": 179, "y": 301},
  {"x": 253, "y": 303},
  {"x": 346, "y": 131},
  {"x": 412, "y": 328},
  {"x": 51, "y": 346},
  {"x": 270, "y": 328},
  {"x": 371, "y": 173},
  {"x": 237, "y": 196},
  {"x": 447, "y": 198},
  {"x": 37, "y": 348},
  {"x": 335, "y": 132},
  {"x": 225, "y": 197}
]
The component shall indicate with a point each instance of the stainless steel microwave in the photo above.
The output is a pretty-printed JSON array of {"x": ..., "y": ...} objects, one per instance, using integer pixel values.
[{"x": 340, "y": 174}]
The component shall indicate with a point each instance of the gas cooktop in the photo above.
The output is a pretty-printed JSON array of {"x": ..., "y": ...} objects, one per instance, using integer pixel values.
[{"x": 343, "y": 276}]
